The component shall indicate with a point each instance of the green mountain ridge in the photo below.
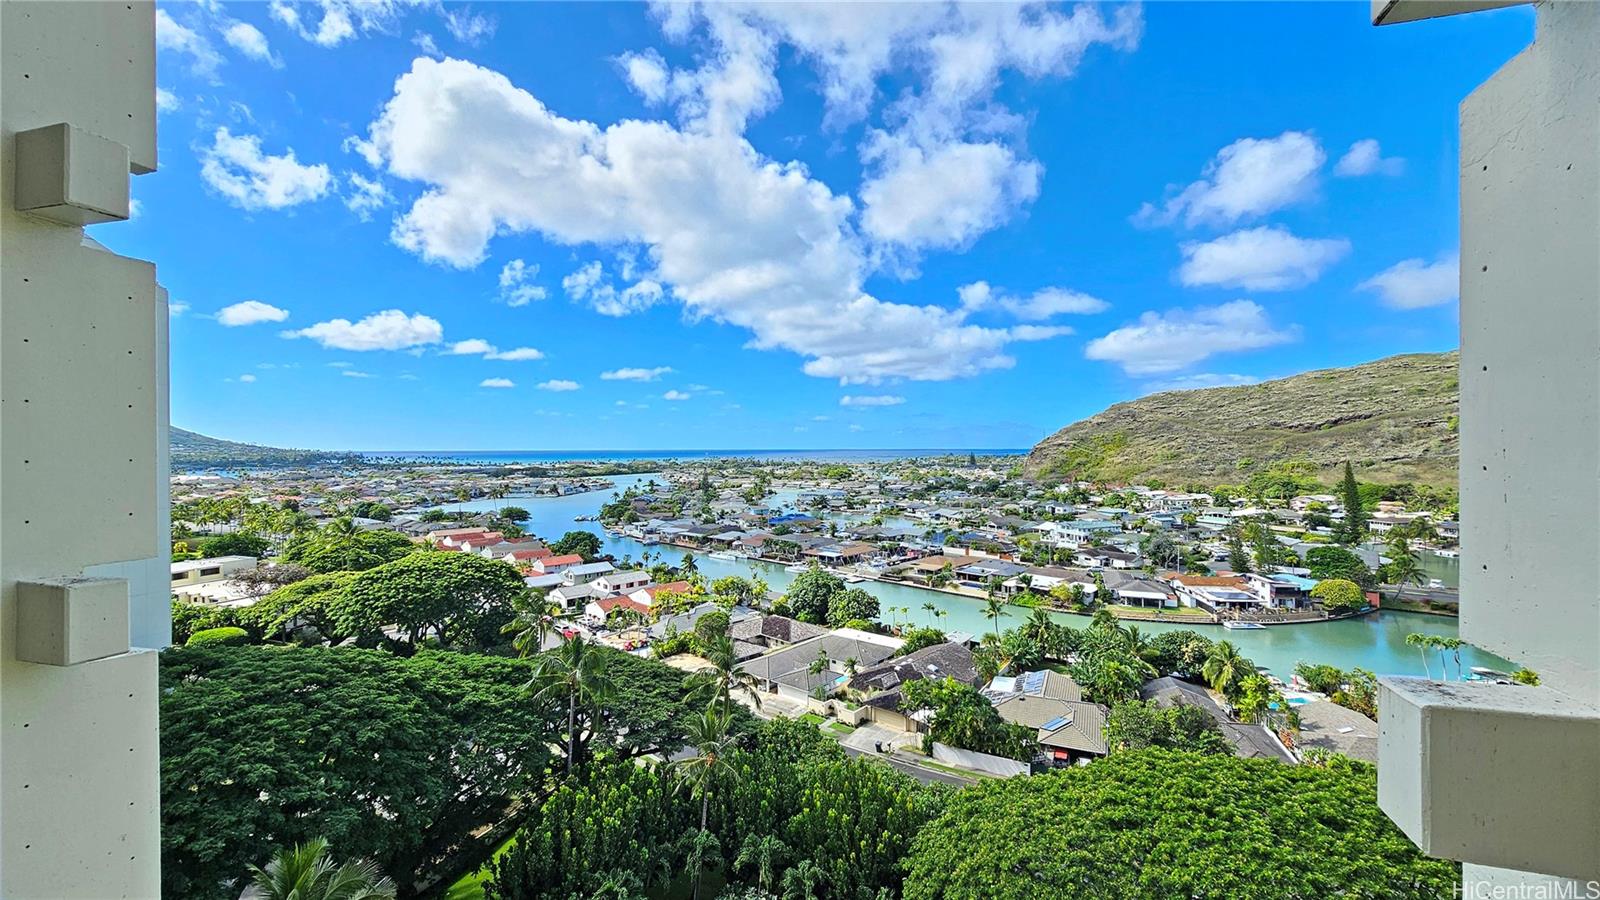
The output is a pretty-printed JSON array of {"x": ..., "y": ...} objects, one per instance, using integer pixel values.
[
  {"x": 1394, "y": 419},
  {"x": 191, "y": 449}
]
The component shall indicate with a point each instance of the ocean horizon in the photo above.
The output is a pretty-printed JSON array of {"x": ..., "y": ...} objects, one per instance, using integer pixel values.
[{"x": 503, "y": 457}]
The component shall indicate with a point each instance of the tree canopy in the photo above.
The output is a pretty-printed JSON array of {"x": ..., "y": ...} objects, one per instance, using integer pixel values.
[
  {"x": 1162, "y": 825},
  {"x": 461, "y": 598},
  {"x": 963, "y": 717},
  {"x": 584, "y": 543},
  {"x": 1338, "y": 562},
  {"x": 388, "y": 758},
  {"x": 1339, "y": 596},
  {"x": 810, "y": 595}
]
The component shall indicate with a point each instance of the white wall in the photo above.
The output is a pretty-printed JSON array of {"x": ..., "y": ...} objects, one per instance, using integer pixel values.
[{"x": 82, "y": 468}]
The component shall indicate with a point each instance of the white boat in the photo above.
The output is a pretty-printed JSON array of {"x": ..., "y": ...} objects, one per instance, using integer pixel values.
[
  {"x": 797, "y": 568},
  {"x": 1242, "y": 626},
  {"x": 852, "y": 578},
  {"x": 723, "y": 554}
]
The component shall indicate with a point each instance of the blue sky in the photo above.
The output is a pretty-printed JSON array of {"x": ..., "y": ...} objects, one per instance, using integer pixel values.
[{"x": 608, "y": 226}]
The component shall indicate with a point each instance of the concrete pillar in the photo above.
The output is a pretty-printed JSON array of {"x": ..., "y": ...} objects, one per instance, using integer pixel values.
[
  {"x": 1507, "y": 779},
  {"x": 83, "y": 375}
]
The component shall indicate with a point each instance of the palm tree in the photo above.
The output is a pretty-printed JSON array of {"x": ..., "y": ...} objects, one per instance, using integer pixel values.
[
  {"x": 1224, "y": 668},
  {"x": 1403, "y": 568},
  {"x": 688, "y": 566},
  {"x": 763, "y": 854},
  {"x": 306, "y": 873},
  {"x": 931, "y": 609},
  {"x": 576, "y": 670},
  {"x": 708, "y": 734},
  {"x": 1422, "y": 643},
  {"x": 1453, "y": 644},
  {"x": 534, "y": 617},
  {"x": 801, "y": 881},
  {"x": 724, "y": 676},
  {"x": 995, "y": 608},
  {"x": 1043, "y": 630}
]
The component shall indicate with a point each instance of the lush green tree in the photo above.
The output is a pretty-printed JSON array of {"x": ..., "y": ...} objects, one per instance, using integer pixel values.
[
  {"x": 1238, "y": 559},
  {"x": 435, "y": 515},
  {"x": 238, "y": 543},
  {"x": 574, "y": 675},
  {"x": 462, "y": 599},
  {"x": 1525, "y": 677},
  {"x": 917, "y": 638},
  {"x": 1225, "y": 668},
  {"x": 188, "y": 618},
  {"x": 1172, "y": 826},
  {"x": 811, "y": 594},
  {"x": 1109, "y": 666},
  {"x": 306, "y": 603},
  {"x": 1338, "y": 562},
  {"x": 1353, "y": 529},
  {"x": 719, "y": 681},
  {"x": 371, "y": 509},
  {"x": 533, "y": 618},
  {"x": 1339, "y": 597},
  {"x": 389, "y": 758},
  {"x": 701, "y": 770},
  {"x": 1182, "y": 651},
  {"x": 850, "y": 604},
  {"x": 307, "y": 872},
  {"x": 584, "y": 543},
  {"x": 1404, "y": 568},
  {"x": 1140, "y": 725},
  {"x": 515, "y": 514},
  {"x": 1323, "y": 679},
  {"x": 963, "y": 717}
]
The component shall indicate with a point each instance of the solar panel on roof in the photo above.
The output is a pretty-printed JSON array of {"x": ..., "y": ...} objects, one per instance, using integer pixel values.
[
  {"x": 1058, "y": 722},
  {"x": 1031, "y": 682}
]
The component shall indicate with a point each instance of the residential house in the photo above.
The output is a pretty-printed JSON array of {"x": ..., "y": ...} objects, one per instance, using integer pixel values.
[
  {"x": 1249, "y": 741},
  {"x": 647, "y": 595},
  {"x": 191, "y": 573},
  {"x": 880, "y": 685},
  {"x": 553, "y": 565},
  {"x": 771, "y": 632},
  {"x": 1069, "y": 728},
  {"x": 1218, "y": 593},
  {"x": 621, "y": 582},
  {"x": 788, "y": 672},
  {"x": 586, "y": 572},
  {"x": 1328, "y": 726},
  {"x": 600, "y": 609}
]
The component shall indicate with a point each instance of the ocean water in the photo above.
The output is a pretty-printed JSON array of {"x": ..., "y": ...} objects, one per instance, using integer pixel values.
[{"x": 505, "y": 457}]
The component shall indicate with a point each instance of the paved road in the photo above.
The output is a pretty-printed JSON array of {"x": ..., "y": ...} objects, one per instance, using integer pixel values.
[{"x": 920, "y": 773}]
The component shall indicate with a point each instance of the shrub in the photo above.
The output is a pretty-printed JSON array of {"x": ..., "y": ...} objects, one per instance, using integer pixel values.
[{"x": 227, "y": 635}]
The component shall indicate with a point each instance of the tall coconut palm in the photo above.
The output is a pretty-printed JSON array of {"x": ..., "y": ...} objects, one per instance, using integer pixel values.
[
  {"x": 723, "y": 677},
  {"x": 931, "y": 609},
  {"x": 535, "y": 616},
  {"x": 1044, "y": 631},
  {"x": 708, "y": 734},
  {"x": 1422, "y": 643},
  {"x": 575, "y": 671},
  {"x": 1404, "y": 567},
  {"x": 1225, "y": 669},
  {"x": 305, "y": 872},
  {"x": 764, "y": 854},
  {"x": 996, "y": 608}
]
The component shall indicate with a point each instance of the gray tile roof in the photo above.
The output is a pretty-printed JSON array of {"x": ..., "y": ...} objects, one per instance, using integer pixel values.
[{"x": 1323, "y": 724}]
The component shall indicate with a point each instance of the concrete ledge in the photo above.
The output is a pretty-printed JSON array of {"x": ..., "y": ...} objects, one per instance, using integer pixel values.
[
  {"x": 1492, "y": 774},
  {"x": 67, "y": 621}
]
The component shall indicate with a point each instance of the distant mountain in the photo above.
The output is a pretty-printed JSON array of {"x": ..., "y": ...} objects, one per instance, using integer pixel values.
[
  {"x": 192, "y": 450},
  {"x": 1393, "y": 419}
]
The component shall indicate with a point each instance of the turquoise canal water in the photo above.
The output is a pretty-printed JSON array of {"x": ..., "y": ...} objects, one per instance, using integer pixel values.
[{"x": 1375, "y": 642}]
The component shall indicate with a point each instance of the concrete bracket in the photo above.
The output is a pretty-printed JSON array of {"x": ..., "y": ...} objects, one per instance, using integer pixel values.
[
  {"x": 68, "y": 621},
  {"x": 67, "y": 175}
]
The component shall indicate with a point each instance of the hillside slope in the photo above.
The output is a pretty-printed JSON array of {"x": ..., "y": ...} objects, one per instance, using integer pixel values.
[
  {"x": 1393, "y": 419},
  {"x": 192, "y": 450}
]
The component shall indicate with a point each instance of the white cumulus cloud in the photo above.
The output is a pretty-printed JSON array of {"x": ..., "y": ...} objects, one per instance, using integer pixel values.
[
  {"x": 871, "y": 400},
  {"x": 514, "y": 287},
  {"x": 1199, "y": 380},
  {"x": 390, "y": 329},
  {"x": 236, "y": 168},
  {"x": 248, "y": 40},
  {"x": 675, "y": 395},
  {"x": 1248, "y": 178},
  {"x": 366, "y": 195},
  {"x": 1259, "y": 259},
  {"x": 1416, "y": 283},
  {"x": 946, "y": 196},
  {"x": 481, "y": 347},
  {"x": 1365, "y": 157},
  {"x": 179, "y": 38},
  {"x": 247, "y": 378},
  {"x": 1166, "y": 342},
  {"x": 497, "y": 383},
  {"x": 793, "y": 278},
  {"x": 558, "y": 385},
  {"x": 1043, "y": 304},
  {"x": 635, "y": 374},
  {"x": 250, "y": 312}
]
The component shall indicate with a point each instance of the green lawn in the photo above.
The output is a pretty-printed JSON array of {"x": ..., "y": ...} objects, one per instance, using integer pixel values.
[
  {"x": 811, "y": 718},
  {"x": 840, "y": 728},
  {"x": 470, "y": 885}
]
